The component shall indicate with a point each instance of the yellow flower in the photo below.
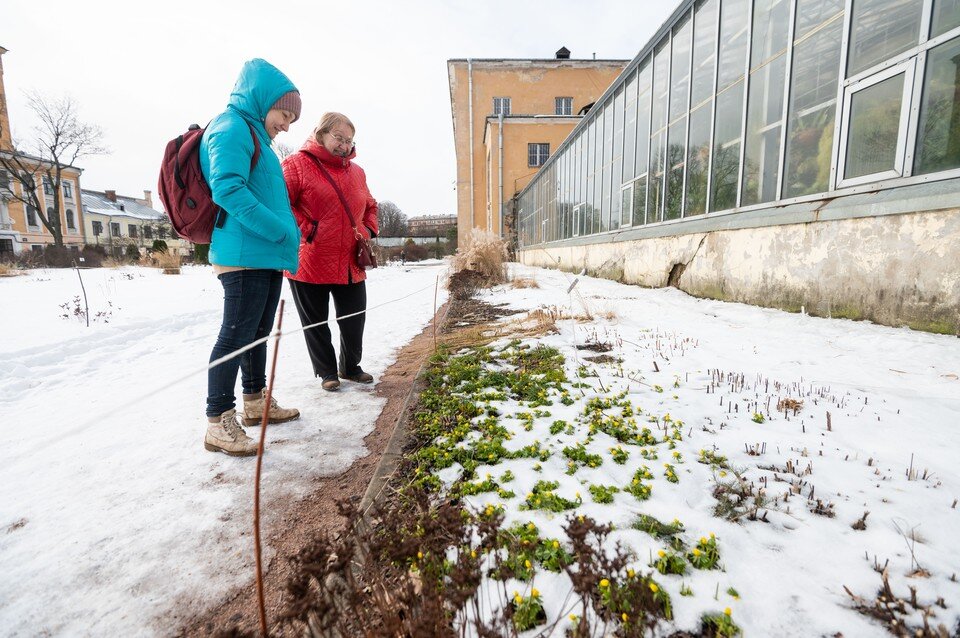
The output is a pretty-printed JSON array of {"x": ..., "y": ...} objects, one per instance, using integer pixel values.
[
  {"x": 420, "y": 555},
  {"x": 556, "y": 544},
  {"x": 630, "y": 573},
  {"x": 604, "y": 583},
  {"x": 654, "y": 588},
  {"x": 573, "y": 617},
  {"x": 696, "y": 552},
  {"x": 625, "y": 616},
  {"x": 712, "y": 536},
  {"x": 531, "y": 527},
  {"x": 517, "y": 599},
  {"x": 726, "y": 612},
  {"x": 534, "y": 592},
  {"x": 661, "y": 553},
  {"x": 473, "y": 553},
  {"x": 526, "y": 564},
  {"x": 703, "y": 539}
]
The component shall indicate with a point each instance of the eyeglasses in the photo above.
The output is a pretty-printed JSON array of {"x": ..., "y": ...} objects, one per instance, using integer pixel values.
[{"x": 341, "y": 140}]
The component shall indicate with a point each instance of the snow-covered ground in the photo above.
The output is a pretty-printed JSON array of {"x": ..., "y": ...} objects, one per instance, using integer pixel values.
[
  {"x": 111, "y": 508},
  {"x": 875, "y": 401}
]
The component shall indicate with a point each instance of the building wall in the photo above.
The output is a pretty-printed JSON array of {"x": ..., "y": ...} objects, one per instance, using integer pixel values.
[
  {"x": 532, "y": 86},
  {"x": 38, "y": 235},
  {"x": 893, "y": 261},
  {"x": 160, "y": 230}
]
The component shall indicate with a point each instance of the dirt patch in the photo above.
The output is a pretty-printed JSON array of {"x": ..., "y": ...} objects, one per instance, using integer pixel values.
[
  {"x": 301, "y": 519},
  {"x": 603, "y": 358},
  {"x": 595, "y": 346}
]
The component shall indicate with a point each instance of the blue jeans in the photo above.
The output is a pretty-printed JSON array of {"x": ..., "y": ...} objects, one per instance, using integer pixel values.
[{"x": 250, "y": 299}]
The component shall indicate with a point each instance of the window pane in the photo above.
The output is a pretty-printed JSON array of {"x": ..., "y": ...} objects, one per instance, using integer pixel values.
[
  {"x": 676, "y": 154},
  {"x": 639, "y": 201},
  {"x": 606, "y": 207},
  {"x": 598, "y": 173},
  {"x": 771, "y": 19},
  {"x": 591, "y": 155},
  {"x": 643, "y": 120},
  {"x": 946, "y": 16},
  {"x": 813, "y": 97},
  {"x": 761, "y": 162},
  {"x": 657, "y": 157},
  {"x": 733, "y": 41},
  {"x": 726, "y": 148},
  {"x": 874, "y": 127},
  {"x": 680, "y": 69},
  {"x": 704, "y": 55},
  {"x": 616, "y": 176},
  {"x": 813, "y": 13},
  {"x": 660, "y": 86},
  {"x": 938, "y": 143},
  {"x": 881, "y": 29},
  {"x": 626, "y": 203},
  {"x": 698, "y": 158},
  {"x": 630, "y": 128}
]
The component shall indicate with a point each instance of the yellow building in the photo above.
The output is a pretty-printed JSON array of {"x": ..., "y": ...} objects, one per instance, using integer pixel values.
[
  {"x": 508, "y": 116},
  {"x": 20, "y": 225}
]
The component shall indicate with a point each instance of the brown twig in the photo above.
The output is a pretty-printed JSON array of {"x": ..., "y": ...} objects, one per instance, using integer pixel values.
[{"x": 256, "y": 489}]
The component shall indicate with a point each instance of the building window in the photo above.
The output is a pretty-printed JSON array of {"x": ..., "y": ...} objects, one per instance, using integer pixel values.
[
  {"x": 501, "y": 106},
  {"x": 47, "y": 186},
  {"x": 68, "y": 190},
  {"x": 37, "y": 248},
  {"x": 938, "y": 140},
  {"x": 6, "y": 246},
  {"x": 70, "y": 223},
  {"x": 563, "y": 105},
  {"x": 114, "y": 229},
  {"x": 31, "y": 216},
  {"x": 97, "y": 228},
  {"x": 51, "y": 215},
  {"x": 132, "y": 228},
  {"x": 148, "y": 232},
  {"x": 537, "y": 154},
  {"x": 5, "y": 186}
]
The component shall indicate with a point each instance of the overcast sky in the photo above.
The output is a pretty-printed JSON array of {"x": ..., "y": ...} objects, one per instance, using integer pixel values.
[{"x": 145, "y": 71}]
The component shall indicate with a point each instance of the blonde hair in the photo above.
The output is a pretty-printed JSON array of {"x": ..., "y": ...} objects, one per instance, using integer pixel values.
[{"x": 328, "y": 121}]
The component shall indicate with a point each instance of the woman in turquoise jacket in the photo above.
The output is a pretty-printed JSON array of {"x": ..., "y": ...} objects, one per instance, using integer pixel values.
[{"x": 255, "y": 240}]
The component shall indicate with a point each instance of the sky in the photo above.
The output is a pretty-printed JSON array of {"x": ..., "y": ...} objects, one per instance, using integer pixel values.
[{"x": 146, "y": 71}]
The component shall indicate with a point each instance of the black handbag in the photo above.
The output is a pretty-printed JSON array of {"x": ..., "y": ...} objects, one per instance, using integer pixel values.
[{"x": 366, "y": 259}]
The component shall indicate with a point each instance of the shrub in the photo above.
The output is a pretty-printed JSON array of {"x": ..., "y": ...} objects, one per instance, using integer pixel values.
[
  {"x": 132, "y": 252},
  {"x": 485, "y": 253}
]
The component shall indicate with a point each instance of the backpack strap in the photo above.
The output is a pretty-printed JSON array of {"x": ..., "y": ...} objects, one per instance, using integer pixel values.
[
  {"x": 343, "y": 200},
  {"x": 222, "y": 214}
]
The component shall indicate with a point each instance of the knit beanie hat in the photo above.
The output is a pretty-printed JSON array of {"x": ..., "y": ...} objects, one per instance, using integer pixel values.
[{"x": 289, "y": 101}]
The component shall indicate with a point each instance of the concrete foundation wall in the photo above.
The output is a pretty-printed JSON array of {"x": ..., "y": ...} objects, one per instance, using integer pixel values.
[{"x": 897, "y": 270}]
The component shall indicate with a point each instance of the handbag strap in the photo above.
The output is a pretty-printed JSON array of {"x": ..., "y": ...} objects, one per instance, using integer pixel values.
[{"x": 343, "y": 200}]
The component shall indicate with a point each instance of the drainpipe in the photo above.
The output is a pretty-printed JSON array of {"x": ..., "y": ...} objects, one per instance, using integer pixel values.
[
  {"x": 500, "y": 168},
  {"x": 470, "y": 120}
]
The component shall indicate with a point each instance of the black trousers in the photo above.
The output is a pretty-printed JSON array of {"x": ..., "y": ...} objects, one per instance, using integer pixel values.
[{"x": 313, "y": 305}]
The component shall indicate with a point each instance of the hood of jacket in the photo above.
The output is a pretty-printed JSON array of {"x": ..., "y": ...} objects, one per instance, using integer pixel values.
[
  {"x": 313, "y": 147},
  {"x": 258, "y": 87}
]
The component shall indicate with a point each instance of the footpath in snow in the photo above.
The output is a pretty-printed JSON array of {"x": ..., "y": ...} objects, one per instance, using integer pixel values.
[
  {"x": 111, "y": 507},
  {"x": 784, "y": 457}
]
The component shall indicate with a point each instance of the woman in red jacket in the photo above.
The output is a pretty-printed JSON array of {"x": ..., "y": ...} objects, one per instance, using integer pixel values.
[{"x": 328, "y": 245}]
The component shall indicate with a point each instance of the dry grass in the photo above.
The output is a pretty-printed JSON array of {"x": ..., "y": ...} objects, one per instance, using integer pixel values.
[
  {"x": 524, "y": 282},
  {"x": 167, "y": 259},
  {"x": 485, "y": 253},
  {"x": 8, "y": 270}
]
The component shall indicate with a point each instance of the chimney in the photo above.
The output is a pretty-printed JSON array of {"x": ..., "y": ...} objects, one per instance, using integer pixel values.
[
  {"x": 563, "y": 53},
  {"x": 148, "y": 197},
  {"x": 111, "y": 195}
]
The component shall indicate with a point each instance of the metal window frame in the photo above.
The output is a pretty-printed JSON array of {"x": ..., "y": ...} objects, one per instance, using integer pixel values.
[
  {"x": 626, "y": 187},
  {"x": 502, "y": 101},
  {"x": 713, "y": 109},
  {"x": 787, "y": 75},
  {"x": 686, "y": 134},
  {"x": 906, "y": 96},
  {"x": 746, "y": 102}
]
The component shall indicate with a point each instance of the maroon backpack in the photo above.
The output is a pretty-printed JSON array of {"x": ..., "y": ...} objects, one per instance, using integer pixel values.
[{"x": 185, "y": 194}]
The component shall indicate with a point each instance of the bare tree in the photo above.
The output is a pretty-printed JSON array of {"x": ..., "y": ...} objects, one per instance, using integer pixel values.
[
  {"x": 60, "y": 139},
  {"x": 392, "y": 221},
  {"x": 282, "y": 150}
]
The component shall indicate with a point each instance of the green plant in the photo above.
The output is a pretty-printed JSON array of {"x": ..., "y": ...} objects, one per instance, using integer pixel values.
[
  {"x": 543, "y": 498},
  {"x": 720, "y": 625},
  {"x": 528, "y": 611},
  {"x": 671, "y": 473},
  {"x": 637, "y": 487},
  {"x": 579, "y": 457},
  {"x": 758, "y": 418},
  {"x": 685, "y": 590},
  {"x": 709, "y": 457},
  {"x": 669, "y": 563},
  {"x": 603, "y": 493},
  {"x": 619, "y": 455},
  {"x": 733, "y": 593},
  {"x": 552, "y": 556},
  {"x": 705, "y": 555}
]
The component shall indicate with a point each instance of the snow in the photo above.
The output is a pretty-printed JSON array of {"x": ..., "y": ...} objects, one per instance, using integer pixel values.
[
  {"x": 112, "y": 511},
  {"x": 893, "y": 397}
]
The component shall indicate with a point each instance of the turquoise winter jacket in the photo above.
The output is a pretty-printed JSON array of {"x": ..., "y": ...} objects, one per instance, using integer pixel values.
[{"x": 259, "y": 229}]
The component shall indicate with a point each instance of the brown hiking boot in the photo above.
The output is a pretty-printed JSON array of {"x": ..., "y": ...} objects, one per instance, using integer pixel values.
[
  {"x": 330, "y": 384},
  {"x": 224, "y": 434},
  {"x": 253, "y": 405},
  {"x": 359, "y": 377}
]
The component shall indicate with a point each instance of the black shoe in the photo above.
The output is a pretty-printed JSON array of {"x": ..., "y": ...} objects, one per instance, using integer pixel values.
[
  {"x": 330, "y": 383},
  {"x": 358, "y": 377}
]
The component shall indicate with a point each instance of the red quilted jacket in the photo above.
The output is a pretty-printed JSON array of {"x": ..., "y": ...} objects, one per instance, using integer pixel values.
[{"x": 328, "y": 247}]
